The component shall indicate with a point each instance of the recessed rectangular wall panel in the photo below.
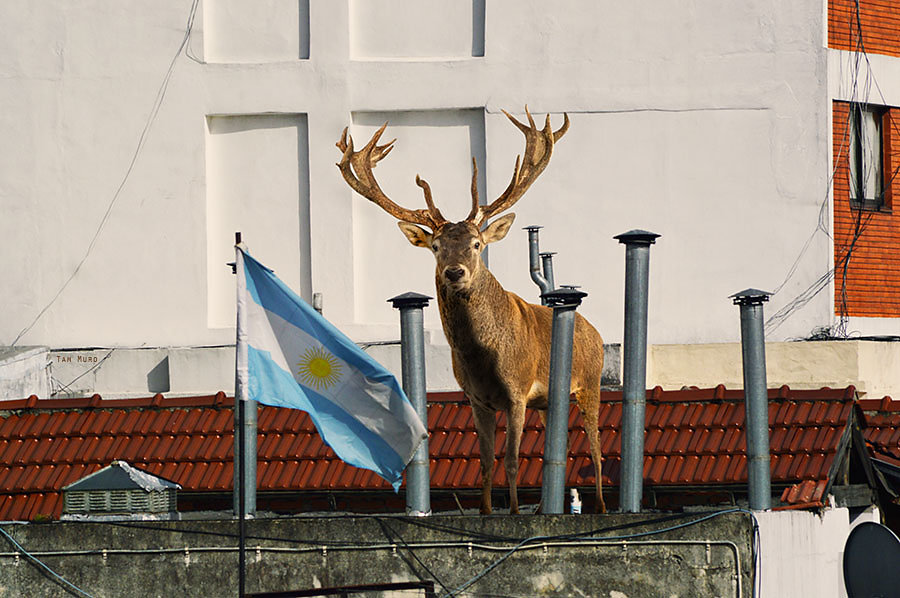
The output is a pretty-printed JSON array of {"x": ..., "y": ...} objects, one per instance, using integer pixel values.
[
  {"x": 257, "y": 172},
  {"x": 420, "y": 29},
  {"x": 254, "y": 32},
  {"x": 678, "y": 174},
  {"x": 438, "y": 145}
]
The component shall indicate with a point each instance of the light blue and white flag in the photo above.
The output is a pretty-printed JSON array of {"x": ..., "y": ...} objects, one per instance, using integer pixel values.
[{"x": 290, "y": 356}]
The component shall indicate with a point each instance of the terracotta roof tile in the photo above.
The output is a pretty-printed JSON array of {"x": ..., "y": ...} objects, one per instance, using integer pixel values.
[
  {"x": 694, "y": 437},
  {"x": 652, "y": 440},
  {"x": 719, "y": 468},
  {"x": 101, "y": 450},
  {"x": 804, "y": 492}
]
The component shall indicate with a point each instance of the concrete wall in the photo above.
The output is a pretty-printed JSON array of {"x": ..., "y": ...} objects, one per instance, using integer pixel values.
[
  {"x": 163, "y": 559},
  {"x": 185, "y": 371},
  {"x": 704, "y": 124},
  {"x": 872, "y": 366},
  {"x": 802, "y": 552},
  {"x": 24, "y": 371}
]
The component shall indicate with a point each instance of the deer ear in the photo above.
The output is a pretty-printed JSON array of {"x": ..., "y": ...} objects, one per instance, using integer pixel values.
[
  {"x": 497, "y": 229},
  {"x": 417, "y": 235}
]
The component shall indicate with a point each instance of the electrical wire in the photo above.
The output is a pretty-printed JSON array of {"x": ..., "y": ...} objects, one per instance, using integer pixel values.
[
  {"x": 415, "y": 521},
  {"x": 154, "y": 110},
  {"x": 847, "y": 248},
  {"x": 534, "y": 539},
  {"x": 389, "y": 533},
  {"x": 67, "y": 387},
  {"x": 395, "y": 537},
  {"x": 66, "y": 583},
  {"x": 859, "y": 225}
]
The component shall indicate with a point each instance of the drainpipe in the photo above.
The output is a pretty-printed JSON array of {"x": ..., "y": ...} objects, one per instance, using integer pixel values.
[
  {"x": 756, "y": 398},
  {"x": 412, "y": 357},
  {"x": 634, "y": 375},
  {"x": 564, "y": 303},
  {"x": 534, "y": 262}
]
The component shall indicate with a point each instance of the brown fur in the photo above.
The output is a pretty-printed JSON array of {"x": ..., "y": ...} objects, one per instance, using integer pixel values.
[{"x": 501, "y": 356}]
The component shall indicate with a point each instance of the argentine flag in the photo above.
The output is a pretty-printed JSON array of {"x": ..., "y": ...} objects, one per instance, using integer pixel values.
[{"x": 290, "y": 356}]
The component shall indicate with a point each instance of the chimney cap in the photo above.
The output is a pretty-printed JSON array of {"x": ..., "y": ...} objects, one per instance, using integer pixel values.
[
  {"x": 750, "y": 297},
  {"x": 410, "y": 299},
  {"x": 564, "y": 297},
  {"x": 637, "y": 237}
]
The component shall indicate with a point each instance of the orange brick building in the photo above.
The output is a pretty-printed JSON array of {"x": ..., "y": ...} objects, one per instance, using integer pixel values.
[{"x": 866, "y": 160}]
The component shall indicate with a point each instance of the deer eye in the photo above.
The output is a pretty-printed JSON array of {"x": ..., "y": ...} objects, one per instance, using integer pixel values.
[
  {"x": 477, "y": 245},
  {"x": 434, "y": 247}
]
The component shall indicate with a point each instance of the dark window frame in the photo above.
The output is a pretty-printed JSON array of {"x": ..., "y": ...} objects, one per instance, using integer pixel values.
[{"x": 879, "y": 202}]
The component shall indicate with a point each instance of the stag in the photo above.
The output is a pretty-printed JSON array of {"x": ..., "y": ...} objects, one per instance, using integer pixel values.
[{"x": 500, "y": 344}]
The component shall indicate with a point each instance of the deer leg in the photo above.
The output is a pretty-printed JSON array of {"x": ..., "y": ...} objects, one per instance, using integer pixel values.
[
  {"x": 486, "y": 426},
  {"x": 515, "y": 422},
  {"x": 590, "y": 412}
]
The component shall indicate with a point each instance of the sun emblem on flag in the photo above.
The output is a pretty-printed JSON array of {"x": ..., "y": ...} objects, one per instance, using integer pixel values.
[{"x": 319, "y": 368}]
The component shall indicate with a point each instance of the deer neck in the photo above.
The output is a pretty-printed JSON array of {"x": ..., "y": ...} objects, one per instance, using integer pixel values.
[{"x": 472, "y": 319}]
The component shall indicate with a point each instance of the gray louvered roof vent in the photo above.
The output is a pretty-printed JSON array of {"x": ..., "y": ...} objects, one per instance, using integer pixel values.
[{"x": 120, "y": 489}]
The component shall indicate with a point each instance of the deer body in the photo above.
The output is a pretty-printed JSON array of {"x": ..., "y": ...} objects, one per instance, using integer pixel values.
[
  {"x": 500, "y": 344},
  {"x": 501, "y": 358}
]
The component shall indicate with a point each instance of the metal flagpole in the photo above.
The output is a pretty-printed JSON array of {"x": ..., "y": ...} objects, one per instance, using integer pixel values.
[
  {"x": 239, "y": 433},
  {"x": 242, "y": 534}
]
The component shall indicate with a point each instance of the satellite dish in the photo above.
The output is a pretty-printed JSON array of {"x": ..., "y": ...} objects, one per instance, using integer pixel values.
[{"x": 872, "y": 562}]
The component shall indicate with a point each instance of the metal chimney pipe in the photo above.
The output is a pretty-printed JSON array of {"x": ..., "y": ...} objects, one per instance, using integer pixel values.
[
  {"x": 553, "y": 483},
  {"x": 547, "y": 266},
  {"x": 412, "y": 358},
  {"x": 634, "y": 375},
  {"x": 534, "y": 262},
  {"x": 756, "y": 397}
]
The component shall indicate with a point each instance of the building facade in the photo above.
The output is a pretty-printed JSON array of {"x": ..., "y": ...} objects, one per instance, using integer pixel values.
[{"x": 140, "y": 138}]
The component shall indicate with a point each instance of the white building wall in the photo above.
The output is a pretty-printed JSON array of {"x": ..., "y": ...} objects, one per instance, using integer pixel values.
[
  {"x": 702, "y": 122},
  {"x": 802, "y": 553}
]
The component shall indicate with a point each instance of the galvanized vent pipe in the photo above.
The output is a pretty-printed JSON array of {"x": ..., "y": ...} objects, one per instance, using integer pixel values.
[
  {"x": 534, "y": 262},
  {"x": 634, "y": 374},
  {"x": 412, "y": 358},
  {"x": 756, "y": 397},
  {"x": 553, "y": 483},
  {"x": 547, "y": 266}
]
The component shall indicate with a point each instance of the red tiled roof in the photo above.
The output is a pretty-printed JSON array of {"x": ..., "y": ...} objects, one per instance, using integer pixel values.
[
  {"x": 694, "y": 437},
  {"x": 882, "y": 428}
]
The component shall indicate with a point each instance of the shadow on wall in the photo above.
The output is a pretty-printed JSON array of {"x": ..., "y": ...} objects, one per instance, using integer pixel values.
[{"x": 158, "y": 377}]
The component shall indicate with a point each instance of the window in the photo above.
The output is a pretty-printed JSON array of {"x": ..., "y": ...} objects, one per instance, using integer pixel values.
[{"x": 866, "y": 156}]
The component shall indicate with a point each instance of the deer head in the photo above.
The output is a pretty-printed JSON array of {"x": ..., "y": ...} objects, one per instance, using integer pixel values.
[{"x": 456, "y": 246}]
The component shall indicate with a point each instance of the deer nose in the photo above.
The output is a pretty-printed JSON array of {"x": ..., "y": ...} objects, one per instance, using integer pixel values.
[{"x": 454, "y": 274}]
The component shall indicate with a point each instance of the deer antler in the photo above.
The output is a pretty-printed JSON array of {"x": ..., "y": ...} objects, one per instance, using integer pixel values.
[
  {"x": 356, "y": 167},
  {"x": 538, "y": 148}
]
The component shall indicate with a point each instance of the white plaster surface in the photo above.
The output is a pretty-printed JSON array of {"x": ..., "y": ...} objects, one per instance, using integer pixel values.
[
  {"x": 258, "y": 184},
  {"x": 706, "y": 123},
  {"x": 259, "y": 31},
  {"x": 420, "y": 29},
  {"x": 24, "y": 371},
  {"x": 873, "y": 367},
  {"x": 111, "y": 373},
  {"x": 801, "y": 552}
]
